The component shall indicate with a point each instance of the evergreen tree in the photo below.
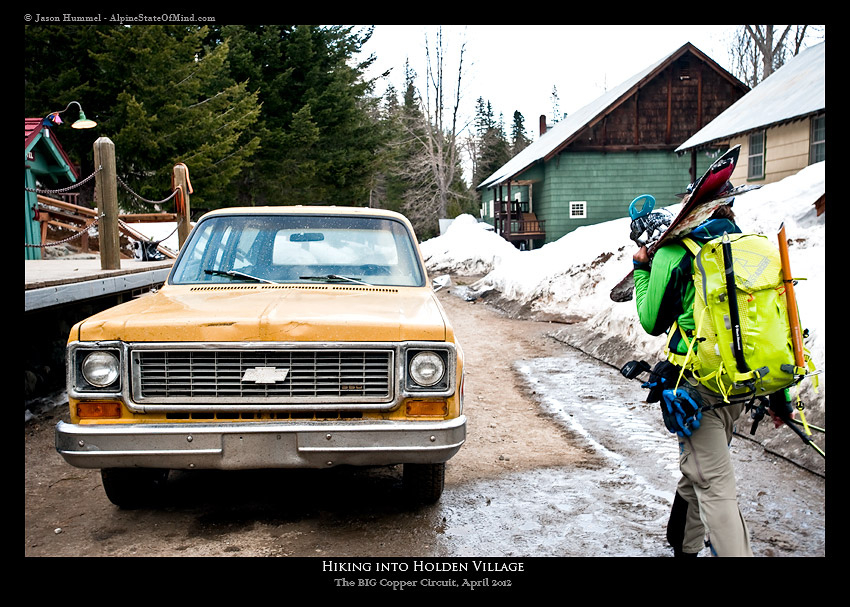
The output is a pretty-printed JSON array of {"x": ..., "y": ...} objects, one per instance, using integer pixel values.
[
  {"x": 483, "y": 120},
  {"x": 319, "y": 125},
  {"x": 58, "y": 69},
  {"x": 519, "y": 138},
  {"x": 163, "y": 98},
  {"x": 556, "y": 106},
  {"x": 493, "y": 148},
  {"x": 400, "y": 125}
]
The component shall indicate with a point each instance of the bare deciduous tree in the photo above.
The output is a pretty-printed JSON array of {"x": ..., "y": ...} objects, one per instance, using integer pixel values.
[
  {"x": 436, "y": 166},
  {"x": 760, "y": 50},
  {"x": 771, "y": 51}
]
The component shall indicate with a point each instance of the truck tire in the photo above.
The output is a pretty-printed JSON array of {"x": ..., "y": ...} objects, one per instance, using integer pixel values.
[
  {"x": 423, "y": 483},
  {"x": 133, "y": 487}
]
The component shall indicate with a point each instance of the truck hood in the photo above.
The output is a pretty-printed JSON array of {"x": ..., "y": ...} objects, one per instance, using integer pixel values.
[{"x": 273, "y": 313}]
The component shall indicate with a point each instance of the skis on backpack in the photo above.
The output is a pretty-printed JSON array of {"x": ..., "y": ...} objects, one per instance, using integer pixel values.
[{"x": 711, "y": 191}]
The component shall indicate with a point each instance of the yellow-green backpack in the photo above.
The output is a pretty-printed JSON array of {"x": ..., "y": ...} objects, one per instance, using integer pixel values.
[{"x": 764, "y": 362}]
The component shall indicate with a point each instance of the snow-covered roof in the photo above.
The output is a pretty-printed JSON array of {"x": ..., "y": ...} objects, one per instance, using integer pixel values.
[{"x": 795, "y": 90}]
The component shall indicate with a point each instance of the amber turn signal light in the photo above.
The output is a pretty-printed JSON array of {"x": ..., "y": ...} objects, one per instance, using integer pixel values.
[
  {"x": 99, "y": 410},
  {"x": 427, "y": 407}
]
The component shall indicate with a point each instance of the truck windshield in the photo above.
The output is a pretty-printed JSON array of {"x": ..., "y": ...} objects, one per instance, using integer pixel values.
[{"x": 280, "y": 248}]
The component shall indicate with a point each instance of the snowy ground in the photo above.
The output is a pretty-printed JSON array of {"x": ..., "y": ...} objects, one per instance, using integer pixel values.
[{"x": 570, "y": 279}]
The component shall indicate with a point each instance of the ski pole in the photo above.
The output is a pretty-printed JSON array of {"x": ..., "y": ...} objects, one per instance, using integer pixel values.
[
  {"x": 784, "y": 415},
  {"x": 811, "y": 427},
  {"x": 803, "y": 436}
]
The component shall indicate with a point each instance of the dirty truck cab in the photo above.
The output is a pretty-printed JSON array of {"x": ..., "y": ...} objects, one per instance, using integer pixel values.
[{"x": 285, "y": 337}]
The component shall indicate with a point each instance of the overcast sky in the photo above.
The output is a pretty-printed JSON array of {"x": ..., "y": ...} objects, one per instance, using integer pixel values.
[{"x": 515, "y": 67}]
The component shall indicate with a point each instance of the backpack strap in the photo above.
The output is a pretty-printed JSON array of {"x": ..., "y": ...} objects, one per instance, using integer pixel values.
[
  {"x": 674, "y": 357},
  {"x": 683, "y": 360},
  {"x": 688, "y": 361},
  {"x": 691, "y": 245}
]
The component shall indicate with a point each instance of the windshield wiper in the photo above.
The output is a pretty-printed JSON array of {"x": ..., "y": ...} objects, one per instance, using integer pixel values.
[
  {"x": 335, "y": 277},
  {"x": 235, "y": 274}
]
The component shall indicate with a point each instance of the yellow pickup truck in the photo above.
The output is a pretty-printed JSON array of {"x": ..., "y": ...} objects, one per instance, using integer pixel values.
[{"x": 284, "y": 337}]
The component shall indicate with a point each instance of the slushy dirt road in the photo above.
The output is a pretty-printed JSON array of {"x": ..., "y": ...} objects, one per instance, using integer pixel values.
[{"x": 562, "y": 459}]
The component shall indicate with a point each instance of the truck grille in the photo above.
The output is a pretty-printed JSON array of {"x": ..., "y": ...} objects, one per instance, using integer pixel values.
[{"x": 262, "y": 376}]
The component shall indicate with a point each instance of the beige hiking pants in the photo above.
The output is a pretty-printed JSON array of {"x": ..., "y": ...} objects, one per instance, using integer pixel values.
[{"x": 708, "y": 484}]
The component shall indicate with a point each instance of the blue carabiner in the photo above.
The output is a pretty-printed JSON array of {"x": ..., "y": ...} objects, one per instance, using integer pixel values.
[{"x": 646, "y": 209}]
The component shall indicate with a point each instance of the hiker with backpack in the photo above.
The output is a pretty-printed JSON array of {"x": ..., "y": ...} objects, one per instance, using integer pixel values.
[{"x": 706, "y": 503}]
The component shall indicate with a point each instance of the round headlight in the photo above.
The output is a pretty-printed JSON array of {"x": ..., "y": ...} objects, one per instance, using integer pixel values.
[
  {"x": 427, "y": 368},
  {"x": 100, "y": 369}
]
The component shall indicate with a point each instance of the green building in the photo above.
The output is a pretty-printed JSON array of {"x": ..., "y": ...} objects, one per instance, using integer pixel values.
[{"x": 588, "y": 167}]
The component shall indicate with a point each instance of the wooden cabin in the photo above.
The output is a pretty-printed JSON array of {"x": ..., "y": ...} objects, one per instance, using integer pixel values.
[{"x": 588, "y": 167}]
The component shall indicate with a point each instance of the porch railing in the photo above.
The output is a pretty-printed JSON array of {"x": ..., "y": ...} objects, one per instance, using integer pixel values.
[{"x": 513, "y": 223}]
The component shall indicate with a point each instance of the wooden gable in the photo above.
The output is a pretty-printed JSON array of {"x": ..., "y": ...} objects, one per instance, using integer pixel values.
[{"x": 664, "y": 108}]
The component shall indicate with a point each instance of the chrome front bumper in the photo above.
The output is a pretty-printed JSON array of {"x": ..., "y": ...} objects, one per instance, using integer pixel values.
[{"x": 246, "y": 445}]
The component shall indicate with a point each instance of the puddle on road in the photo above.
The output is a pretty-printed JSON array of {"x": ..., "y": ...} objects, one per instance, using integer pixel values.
[
  {"x": 602, "y": 411},
  {"x": 615, "y": 508},
  {"x": 551, "y": 512}
]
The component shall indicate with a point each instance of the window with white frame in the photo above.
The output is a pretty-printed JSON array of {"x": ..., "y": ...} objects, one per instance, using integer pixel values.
[
  {"x": 578, "y": 209},
  {"x": 755, "y": 160},
  {"x": 817, "y": 146}
]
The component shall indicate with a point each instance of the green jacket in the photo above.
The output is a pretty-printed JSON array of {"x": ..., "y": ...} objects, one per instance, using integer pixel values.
[{"x": 664, "y": 292}]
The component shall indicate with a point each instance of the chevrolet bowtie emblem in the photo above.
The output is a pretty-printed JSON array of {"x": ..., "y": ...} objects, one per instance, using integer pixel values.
[{"x": 265, "y": 375}]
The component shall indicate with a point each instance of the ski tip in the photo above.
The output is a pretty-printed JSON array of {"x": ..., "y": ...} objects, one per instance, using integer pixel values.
[{"x": 730, "y": 155}]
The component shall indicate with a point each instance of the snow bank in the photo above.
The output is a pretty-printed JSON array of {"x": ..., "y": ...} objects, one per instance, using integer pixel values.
[
  {"x": 466, "y": 248},
  {"x": 163, "y": 232}
]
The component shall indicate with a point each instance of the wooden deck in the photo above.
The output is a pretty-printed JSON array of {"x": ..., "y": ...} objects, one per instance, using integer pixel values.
[
  {"x": 514, "y": 224},
  {"x": 54, "y": 282}
]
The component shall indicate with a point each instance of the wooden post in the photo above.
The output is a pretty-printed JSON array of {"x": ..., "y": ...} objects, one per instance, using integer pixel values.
[
  {"x": 106, "y": 196},
  {"x": 181, "y": 180}
]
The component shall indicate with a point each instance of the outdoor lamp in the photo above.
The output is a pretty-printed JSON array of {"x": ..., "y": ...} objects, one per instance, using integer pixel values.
[{"x": 82, "y": 122}]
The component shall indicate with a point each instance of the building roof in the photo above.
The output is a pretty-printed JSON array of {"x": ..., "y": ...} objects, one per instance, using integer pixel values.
[
  {"x": 561, "y": 134},
  {"x": 32, "y": 129},
  {"x": 34, "y": 132},
  {"x": 794, "y": 91}
]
